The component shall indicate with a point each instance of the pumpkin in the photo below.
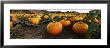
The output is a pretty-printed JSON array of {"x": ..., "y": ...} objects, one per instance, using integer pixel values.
[
  {"x": 11, "y": 24},
  {"x": 75, "y": 19},
  {"x": 14, "y": 18},
  {"x": 34, "y": 21},
  {"x": 39, "y": 17},
  {"x": 80, "y": 27},
  {"x": 46, "y": 17},
  {"x": 54, "y": 28},
  {"x": 80, "y": 18},
  {"x": 65, "y": 23},
  {"x": 71, "y": 19}
]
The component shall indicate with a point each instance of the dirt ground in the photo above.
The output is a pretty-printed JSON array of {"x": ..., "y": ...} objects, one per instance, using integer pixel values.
[{"x": 40, "y": 32}]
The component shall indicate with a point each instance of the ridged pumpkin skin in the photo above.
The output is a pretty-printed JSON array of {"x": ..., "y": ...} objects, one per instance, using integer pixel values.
[
  {"x": 80, "y": 27},
  {"x": 54, "y": 28},
  {"x": 34, "y": 21},
  {"x": 65, "y": 23}
]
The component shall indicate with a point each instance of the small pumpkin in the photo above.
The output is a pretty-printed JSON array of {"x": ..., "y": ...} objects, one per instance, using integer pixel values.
[
  {"x": 80, "y": 27},
  {"x": 14, "y": 18},
  {"x": 65, "y": 23},
  {"x": 54, "y": 28},
  {"x": 46, "y": 17},
  {"x": 39, "y": 17},
  {"x": 71, "y": 19},
  {"x": 75, "y": 19},
  {"x": 34, "y": 21}
]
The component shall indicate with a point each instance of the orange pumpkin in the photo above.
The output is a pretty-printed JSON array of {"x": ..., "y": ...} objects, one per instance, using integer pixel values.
[
  {"x": 65, "y": 23},
  {"x": 75, "y": 19},
  {"x": 71, "y": 19},
  {"x": 34, "y": 21},
  {"x": 54, "y": 28},
  {"x": 14, "y": 18},
  {"x": 80, "y": 27}
]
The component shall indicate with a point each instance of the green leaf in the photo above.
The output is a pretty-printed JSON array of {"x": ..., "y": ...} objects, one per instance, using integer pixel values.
[{"x": 92, "y": 27}]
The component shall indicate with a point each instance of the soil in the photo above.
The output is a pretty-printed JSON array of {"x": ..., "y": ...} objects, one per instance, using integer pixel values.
[{"x": 39, "y": 32}]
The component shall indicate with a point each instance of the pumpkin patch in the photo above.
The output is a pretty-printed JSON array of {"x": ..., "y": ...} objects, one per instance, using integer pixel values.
[{"x": 62, "y": 24}]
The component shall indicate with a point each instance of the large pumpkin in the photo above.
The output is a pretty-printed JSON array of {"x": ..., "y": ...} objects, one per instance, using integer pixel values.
[
  {"x": 34, "y": 21},
  {"x": 80, "y": 27},
  {"x": 54, "y": 28},
  {"x": 65, "y": 23}
]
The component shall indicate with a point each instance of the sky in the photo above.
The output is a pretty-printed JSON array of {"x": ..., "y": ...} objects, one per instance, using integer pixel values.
[{"x": 80, "y": 11}]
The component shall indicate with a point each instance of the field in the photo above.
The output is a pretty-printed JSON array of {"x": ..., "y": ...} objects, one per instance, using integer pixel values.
[{"x": 44, "y": 24}]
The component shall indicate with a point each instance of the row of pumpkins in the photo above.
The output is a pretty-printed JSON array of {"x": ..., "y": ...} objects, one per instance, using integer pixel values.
[{"x": 56, "y": 27}]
